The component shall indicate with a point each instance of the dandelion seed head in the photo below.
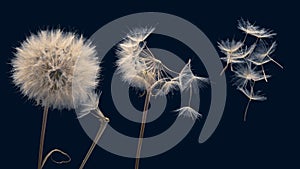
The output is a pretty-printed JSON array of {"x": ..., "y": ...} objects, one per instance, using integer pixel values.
[
  {"x": 44, "y": 65},
  {"x": 136, "y": 63}
]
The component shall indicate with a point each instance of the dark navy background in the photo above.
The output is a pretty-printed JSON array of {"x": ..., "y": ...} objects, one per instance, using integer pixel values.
[{"x": 268, "y": 139}]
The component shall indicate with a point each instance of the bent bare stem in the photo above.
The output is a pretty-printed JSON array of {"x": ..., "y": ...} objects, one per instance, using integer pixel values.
[
  {"x": 103, "y": 120},
  {"x": 57, "y": 162}
]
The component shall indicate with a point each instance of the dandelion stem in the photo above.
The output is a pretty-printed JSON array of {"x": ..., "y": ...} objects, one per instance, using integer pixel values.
[
  {"x": 231, "y": 67},
  {"x": 42, "y": 137},
  {"x": 245, "y": 38},
  {"x": 263, "y": 70},
  {"x": 191, "y": 93},
  {"x": 103, "y": 120},
  {"x": 224, "y": 69},
  {"x": 246, "y": 110},
  {"x": 142, "y": 129},
  {"x": 57, "y": 162},
  {"x": 250, "y": 98},
  {"x": 257, "y": 39},
  {"x": 275, "y": 62}
]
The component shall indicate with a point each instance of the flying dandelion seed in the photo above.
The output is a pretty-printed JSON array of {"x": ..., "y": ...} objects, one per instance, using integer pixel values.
[
  {"x": 141, "y": 69},
  {"x": 253, "y": 30},
  {"x": 249, "y": 61},
  {"x": 228, "y": 48},
  {"x": 246, "y": 73},
  {"x": 188, "y": 112},
  {"x": 187, "y": 78},
  {"x": 43, "y": 70}
]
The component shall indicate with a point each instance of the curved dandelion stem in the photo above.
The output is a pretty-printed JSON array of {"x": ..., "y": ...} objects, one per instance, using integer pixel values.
[
  {"x": 57, "y": 162},
  {"x": 42, "y": 137},
  {"x": 104, "y": 120},
  {"x": 224, "y": 69},
  {"x": 142, "y": 129}
]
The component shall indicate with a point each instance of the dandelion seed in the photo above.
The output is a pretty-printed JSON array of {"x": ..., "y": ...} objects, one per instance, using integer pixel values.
[
  {"x": 242, "y": 53},
  {"x": 261, "y": 55},
  {"x": 230, "y": 46},
  {"x": 253, "y": 30},
  {"x": 88, "y": 105},
  {"x": 188, "y": 112},
  {"x": 230, "y": 60},
  {"x": 251, "y": 95},
  {"x": 246, "y": 73},
  {"x": 140, "y": 34},
  {"x": 187, "y": 78},
  {"x": 163, "y": 87}
]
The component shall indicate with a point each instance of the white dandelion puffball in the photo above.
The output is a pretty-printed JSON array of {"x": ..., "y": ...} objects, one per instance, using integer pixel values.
[{"x": 44, "y": 65}]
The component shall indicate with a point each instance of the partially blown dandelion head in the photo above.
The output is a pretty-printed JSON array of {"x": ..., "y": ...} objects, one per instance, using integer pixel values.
[
  {"x": 136, "y": 63},
  {"x": 141, "y": 69},
  {"x": 44, "y": 65}
]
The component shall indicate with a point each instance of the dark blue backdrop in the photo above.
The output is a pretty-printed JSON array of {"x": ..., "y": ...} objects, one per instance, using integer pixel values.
[{"x": 268, "y": 139}]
